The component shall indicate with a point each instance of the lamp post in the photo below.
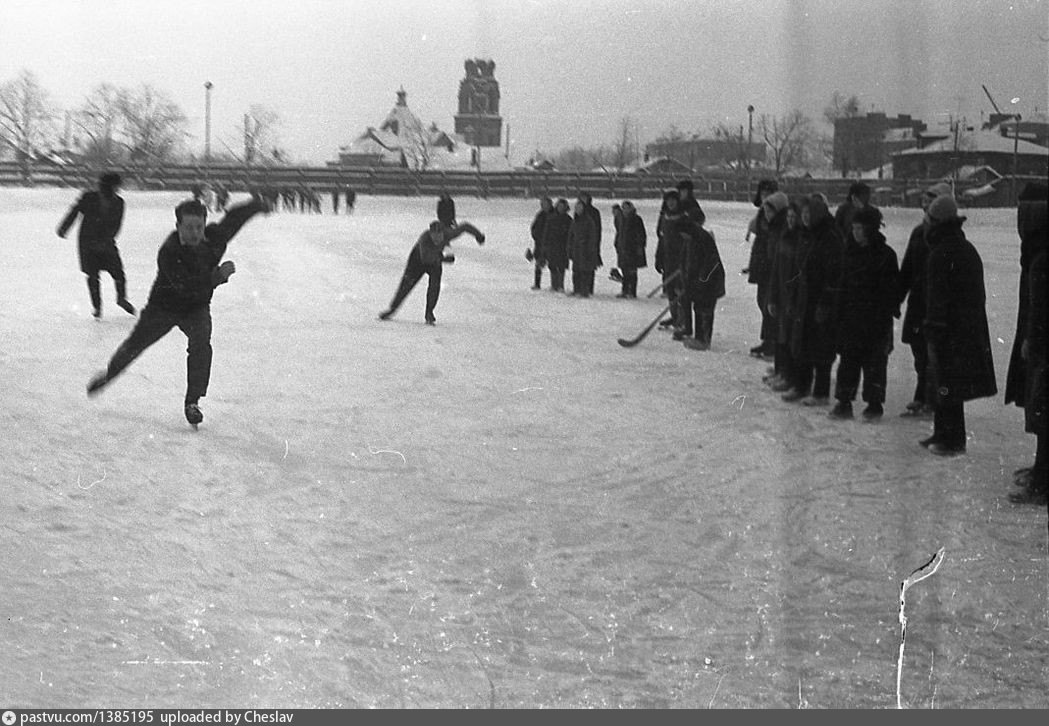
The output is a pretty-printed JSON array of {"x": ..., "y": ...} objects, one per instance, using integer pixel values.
[
  {"x": 1016, "y": 145},
  {"x": 750, "y": 137},
  {"x": 207, "y": 121}
]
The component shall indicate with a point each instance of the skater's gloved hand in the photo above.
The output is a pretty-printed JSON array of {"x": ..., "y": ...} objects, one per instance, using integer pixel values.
[
  {"x": 222, "y": 274},
  {"x": 480, "y": 239}
]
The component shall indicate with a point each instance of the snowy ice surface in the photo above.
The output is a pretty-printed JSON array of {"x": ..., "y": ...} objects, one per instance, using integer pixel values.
[{"x": 508, "y": 509}]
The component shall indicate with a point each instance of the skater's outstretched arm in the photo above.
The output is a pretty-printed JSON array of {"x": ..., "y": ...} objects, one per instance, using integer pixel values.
[
  {"x": 237, "y": 216},
  {"x": 68, "y": 220},
  {"x": 463, "y": 227}
]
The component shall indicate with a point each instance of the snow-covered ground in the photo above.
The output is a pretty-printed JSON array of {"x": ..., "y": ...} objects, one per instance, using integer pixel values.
[{"x": 508, "y": 509}]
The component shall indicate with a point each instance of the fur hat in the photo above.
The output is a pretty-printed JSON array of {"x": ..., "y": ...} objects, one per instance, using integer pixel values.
[
  {"x": 109, "y": 180},
  {"x": 943, "y": 209},
  {"x": 765, "y": 185},
  {"x": 869, "y": 217},
  {"x": 671, "y": 193},
  {"x": 859, "y": 189},
  {"x": 685, "y": 184},
  {"x": 778, "y": 201}
]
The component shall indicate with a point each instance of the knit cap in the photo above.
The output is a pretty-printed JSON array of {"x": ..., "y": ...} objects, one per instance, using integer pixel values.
[{"x": 943, "y": 209}]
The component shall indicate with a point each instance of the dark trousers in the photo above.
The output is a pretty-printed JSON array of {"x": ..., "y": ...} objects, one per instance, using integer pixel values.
[
  {"x": 539, "y": 273},
  {"x": 783, "y": 363},
  {"x": 768, "y": 323},
  {"x": 629, "y": 281},
  {"x": 697, "y": 318},
  {"x": 583, "y": 282},
  {"x": 873, "y": 365},
  {"x": 814, "y": 375},
  {"x": 153, "y": 324},
  {"x": 557, "y": 278},
  {"x": 413, "y": 272},
  {"x": 921, "y": 361},
  {"x": 948, "y": 424},
  {"x": 107, "y": 260}
]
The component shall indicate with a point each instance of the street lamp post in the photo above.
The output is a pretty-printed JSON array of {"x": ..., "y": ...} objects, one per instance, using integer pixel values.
[
  {"x": 207, "y": 121},
  {"x": 750, "y": 137}
]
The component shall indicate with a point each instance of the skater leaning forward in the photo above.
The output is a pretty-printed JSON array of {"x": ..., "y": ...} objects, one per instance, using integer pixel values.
[
  {"x": 426, "y": 258},
  {"x": 188, "y": 271}
]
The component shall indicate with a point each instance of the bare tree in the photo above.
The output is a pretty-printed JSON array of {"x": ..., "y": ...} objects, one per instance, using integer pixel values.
[
  {"x": 841, "y": 106},
  {"x": 624, "y": 148},
  {"x": 98, "y": 122},
  {"x": 26, "y": 118},
  {"x": 737, "y": 147},
  {"x": 153, "y": 126},
  {"x": 788, "y": 139}
]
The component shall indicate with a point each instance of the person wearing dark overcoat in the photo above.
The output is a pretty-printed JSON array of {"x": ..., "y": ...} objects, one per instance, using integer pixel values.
[
  {"x": 555, "y": 244},
  {"x": 866, "y": 305},
  {"x": 819, "y": 271},
  {"x": 703, "y": 283},
  {"x": 102, "y": 213},
  {"x": 538, "y": 230},
  {"x": 1026, "y": 380},
  {"x": 911, "y": 287},
  {"x": 631, "y": 239},
  {"x": 689, "y": 203},
  {"x": 670, "y": 228},
  {"x": 961, "y": 367},
  {"x": 783, "y": 282},
  {"x": 774, "y": 209},
  {"x": 757, "y": 269},
  {"x": 595, "y": 216},
  {"x": 582, "y": 251}
]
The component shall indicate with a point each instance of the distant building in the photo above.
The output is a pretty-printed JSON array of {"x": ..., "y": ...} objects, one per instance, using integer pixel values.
[
  {"x": 983, "y": 149},
  {"x": 697, "y": 154},
  {"x": 868, "y": 142},
  {"x": 478, "y": 121},
  {"x": 1035, "y": 129}
]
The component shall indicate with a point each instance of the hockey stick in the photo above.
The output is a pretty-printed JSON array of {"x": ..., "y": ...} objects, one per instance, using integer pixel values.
[
  {"x": 674, "y": 276},
  {"x": 648, "y": 329}
]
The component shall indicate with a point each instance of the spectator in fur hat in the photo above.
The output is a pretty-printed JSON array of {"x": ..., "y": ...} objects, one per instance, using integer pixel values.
[
  {"x": 757, "y": 269},
  {"x": 961, "y": 367}
]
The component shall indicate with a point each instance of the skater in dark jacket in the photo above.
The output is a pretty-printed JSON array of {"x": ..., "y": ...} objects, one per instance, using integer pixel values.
[
  {"x": 555, "y": 244},
  {"x": 813, "y": 338},
  {"x": 102, "y": 213},
  {"x": 865, "y": 312},
  {"x": 582, "y": 250},
  {"x": 961, "y": 367},
  {"x": 189, "y": 268},
  {"x": 911, "y": 287},
  {"x": 757, "y": 269},
  {"x": 631, "y": 239},
  {"x": 703, "y": 284},
  {"x": 671, "y": 228},
  {"x": 1025, "y": 383},
  {"x": 546, "y": 209},
  {"x": 426, "y": 258}
]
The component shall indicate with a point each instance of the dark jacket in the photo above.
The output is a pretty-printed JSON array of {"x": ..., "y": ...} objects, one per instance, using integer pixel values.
[
  {"x": 102, "y": 218},
  {"x": 187, "y": 276},
  {"x": 758, "y": 265},
  {"x": 693, "y": 211},
  {"x": 1036, "y": 395},
  {"x": 671, "y": 241},
  {"x": 555, "y": 240},
  {"x": 704, "y": 275},
  {"x": 538, "y": 232},
  {"x": 631, "y": 240},
  {"x": 867, "y": 297},
  {"x": 595, "y": 215},
  {"x": 1032, "y": 223},
  {"x": 819, "y": 259},
  {"x": 583, "y": 244},
  {"x": 911, "y": 285},
  {"x": 784, "y": 276},
  {"x": 961, "y": 366}
]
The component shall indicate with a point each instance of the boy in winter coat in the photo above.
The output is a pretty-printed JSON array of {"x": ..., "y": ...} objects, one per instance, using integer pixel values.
[
  {"x": 757, "y": 269},
  {"x": 426, "y": 258},
  {"x": 961, "y": 367},
  {"x": 188, "y": 271},
  {"x": 631, "y": 239},
  {"x": 546, "y": 209},
  {"x": 865, "y": 313},
  {"x": 672, "y": 222},
  {"x": 702, "y": 285},
  {"x": 555, "y": 244},
  {"x": 583, "y": 250},
  {"x": 103, "y": 214}
]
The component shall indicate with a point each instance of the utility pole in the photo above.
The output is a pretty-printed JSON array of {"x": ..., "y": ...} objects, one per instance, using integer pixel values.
[
  {"x": 207, "y": 121},
  {"x": 750, "y": 138}
]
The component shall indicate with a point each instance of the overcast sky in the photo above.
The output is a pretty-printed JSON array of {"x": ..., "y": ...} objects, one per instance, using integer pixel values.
[{"x": 568, "y": 70}]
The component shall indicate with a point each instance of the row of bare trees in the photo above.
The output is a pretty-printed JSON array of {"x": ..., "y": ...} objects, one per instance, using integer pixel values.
[{"x": 138, "y": 127}]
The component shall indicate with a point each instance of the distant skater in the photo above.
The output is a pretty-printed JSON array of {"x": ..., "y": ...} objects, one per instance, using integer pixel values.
[
  {"x": 103, "y": 214},
  {"x": 189, "y": 268},
  {"x": 426, "y": 258}
]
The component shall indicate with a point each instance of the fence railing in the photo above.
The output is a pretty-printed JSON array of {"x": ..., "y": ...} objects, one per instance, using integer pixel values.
[{"x": 520, "y": 184}]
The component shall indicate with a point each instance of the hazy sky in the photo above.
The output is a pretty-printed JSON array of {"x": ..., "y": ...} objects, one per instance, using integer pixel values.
[{"x": 568, "y": 70}]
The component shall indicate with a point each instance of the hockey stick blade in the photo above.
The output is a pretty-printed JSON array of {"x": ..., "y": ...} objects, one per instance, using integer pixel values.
[
  {"x": 648, "y": 329},
  {"x": 677, "y": 273}
]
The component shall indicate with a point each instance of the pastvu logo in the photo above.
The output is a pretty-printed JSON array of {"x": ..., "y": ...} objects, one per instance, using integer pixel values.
[{"x": 8, "y": 718}]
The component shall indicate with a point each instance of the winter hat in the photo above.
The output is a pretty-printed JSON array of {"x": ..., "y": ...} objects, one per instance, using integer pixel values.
[
  {"x": 685, "y": 184},
  {"x": 765, "y": 185},
  {"x": 943, "y": 209},
  {"x": 859, "y": 189},
  {"x": 939, "y": 190},
  {"x": 109, "y": 180},
  {"x": 671, "y": 193},
  {"x": 869, "y": 217},
  {"x": 777, "y": 201}
]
